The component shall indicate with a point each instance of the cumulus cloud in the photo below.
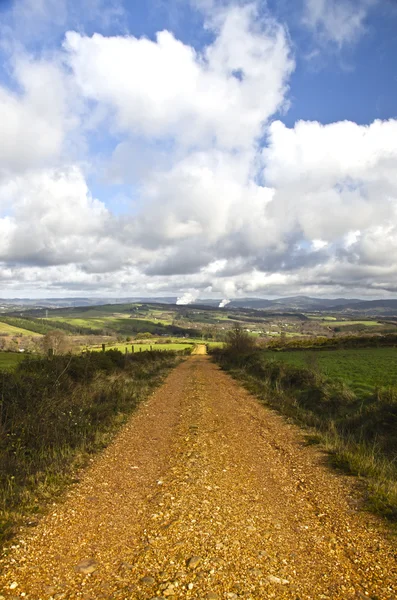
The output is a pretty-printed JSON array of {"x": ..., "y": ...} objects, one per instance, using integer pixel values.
[
  {"x": 52, "y": 219},
  {"x": 333, "y": 179},
  {"x": 221, "y": 96},
  {"x": 35, "y": 119},
  {"x": 223, "y": 199}
]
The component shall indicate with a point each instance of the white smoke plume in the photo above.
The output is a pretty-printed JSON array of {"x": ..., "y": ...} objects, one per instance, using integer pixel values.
[
  {"x": 224, "y": 302},
  {"x": 188, "y": 298}
]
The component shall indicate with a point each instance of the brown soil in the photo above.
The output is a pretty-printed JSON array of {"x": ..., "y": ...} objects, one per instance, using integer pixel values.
[{"x": 205, "y": 494}]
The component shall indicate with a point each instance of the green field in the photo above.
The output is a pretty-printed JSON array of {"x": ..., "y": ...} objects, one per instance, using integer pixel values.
[
  {"x": 11, "y": 330},
  {"x": 362, "y": 369},
  {"x": 320, "y": 318},
  {"x": 9, "y": 360},
  {"x": 91, "y": 323},
  {"x": 328, "y": 321},
  {"x": 120, "y": 323}
]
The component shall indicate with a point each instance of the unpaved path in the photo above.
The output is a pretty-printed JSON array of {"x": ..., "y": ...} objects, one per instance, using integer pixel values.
[
  {"x": 203, "y": 470},
  {"x": 200, "y": 349}
]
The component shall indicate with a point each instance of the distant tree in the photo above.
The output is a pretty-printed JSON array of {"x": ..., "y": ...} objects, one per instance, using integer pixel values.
[
  {"x": 13, "y": 345},
  {"x": 57, "y": 341},
  {"x": 239, "y": 341},
  {"x": 144, "y": 335}
]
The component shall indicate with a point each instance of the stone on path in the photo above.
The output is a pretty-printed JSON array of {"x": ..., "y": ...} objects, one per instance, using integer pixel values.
[
  {"x": 193, "y": 562},
  {"x": 278, "y": 580},
  {"x": 86, "y": 566},
  {"x": 148, "y": 580}
]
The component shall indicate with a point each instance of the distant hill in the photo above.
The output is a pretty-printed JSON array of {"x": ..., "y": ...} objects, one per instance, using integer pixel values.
[
  {"x": 298, "y": 304},
  {"x": 369, "y": 307},
  {"x": 8, "y": 304}
]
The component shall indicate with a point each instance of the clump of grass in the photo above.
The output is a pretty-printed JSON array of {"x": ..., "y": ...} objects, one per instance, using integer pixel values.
[{"x": 54, "y": 413}]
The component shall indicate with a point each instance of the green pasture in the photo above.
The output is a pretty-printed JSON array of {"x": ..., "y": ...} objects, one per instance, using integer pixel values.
[
  {"x": 11, "y": 330},
  {"x": 9, "y": 360},
  {"x": 125, "y": 324},
  {"x": 320, "y": 318},
  {"x": 334, "y": 322},
  {"x": 153, "y": 319},
  {"x": 362, "y": 369},
  {"x": 91, "y": 323}
]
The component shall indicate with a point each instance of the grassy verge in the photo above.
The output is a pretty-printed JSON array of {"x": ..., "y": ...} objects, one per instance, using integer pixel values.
[
  {"x": 55, "y": 413},
  {"x": 359, "y": 435},
  {"x": 10, "y": 360}
]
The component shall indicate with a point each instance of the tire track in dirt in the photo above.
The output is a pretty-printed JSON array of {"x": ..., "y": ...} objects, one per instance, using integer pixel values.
[{"x": 204, "y": 472}]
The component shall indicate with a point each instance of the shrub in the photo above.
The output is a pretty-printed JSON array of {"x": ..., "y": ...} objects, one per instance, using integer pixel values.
[{"x": 53, "y": 410}]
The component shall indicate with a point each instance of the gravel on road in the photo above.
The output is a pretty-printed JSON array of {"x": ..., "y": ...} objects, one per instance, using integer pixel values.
[{"x": 205, "y": 494}]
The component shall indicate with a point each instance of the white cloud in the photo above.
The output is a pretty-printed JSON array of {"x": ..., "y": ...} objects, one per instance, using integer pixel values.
[
  {"x": 338, "y": 21},
  {"x": 335, "y": 178},
  {"x": 52, "y": 219},
  {"x": 213, "y": 212},
  {"x": 161, "y": 89},
  {"x": 35, "y": 120}
]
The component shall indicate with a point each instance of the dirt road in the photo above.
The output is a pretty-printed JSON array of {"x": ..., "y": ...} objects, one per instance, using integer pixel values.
[
  {"x": 200, "y": 349},
  {"x": 205, "y": 494}
]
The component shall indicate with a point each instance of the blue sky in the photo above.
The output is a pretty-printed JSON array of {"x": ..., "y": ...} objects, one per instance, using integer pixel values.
[{"x": 248, "y": 149}]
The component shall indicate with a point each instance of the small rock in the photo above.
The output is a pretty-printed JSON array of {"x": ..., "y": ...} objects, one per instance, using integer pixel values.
[
  {"x": 13, "y": 585},
  {"x": 49, "y": 589},
  {"x": 278, "y": 580},
  {"x": 86, "y": 566},
  {"x": 190, "y": 586},
  {"x": 148, "y": 580},
  {"x": 193, "y": 562}
]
